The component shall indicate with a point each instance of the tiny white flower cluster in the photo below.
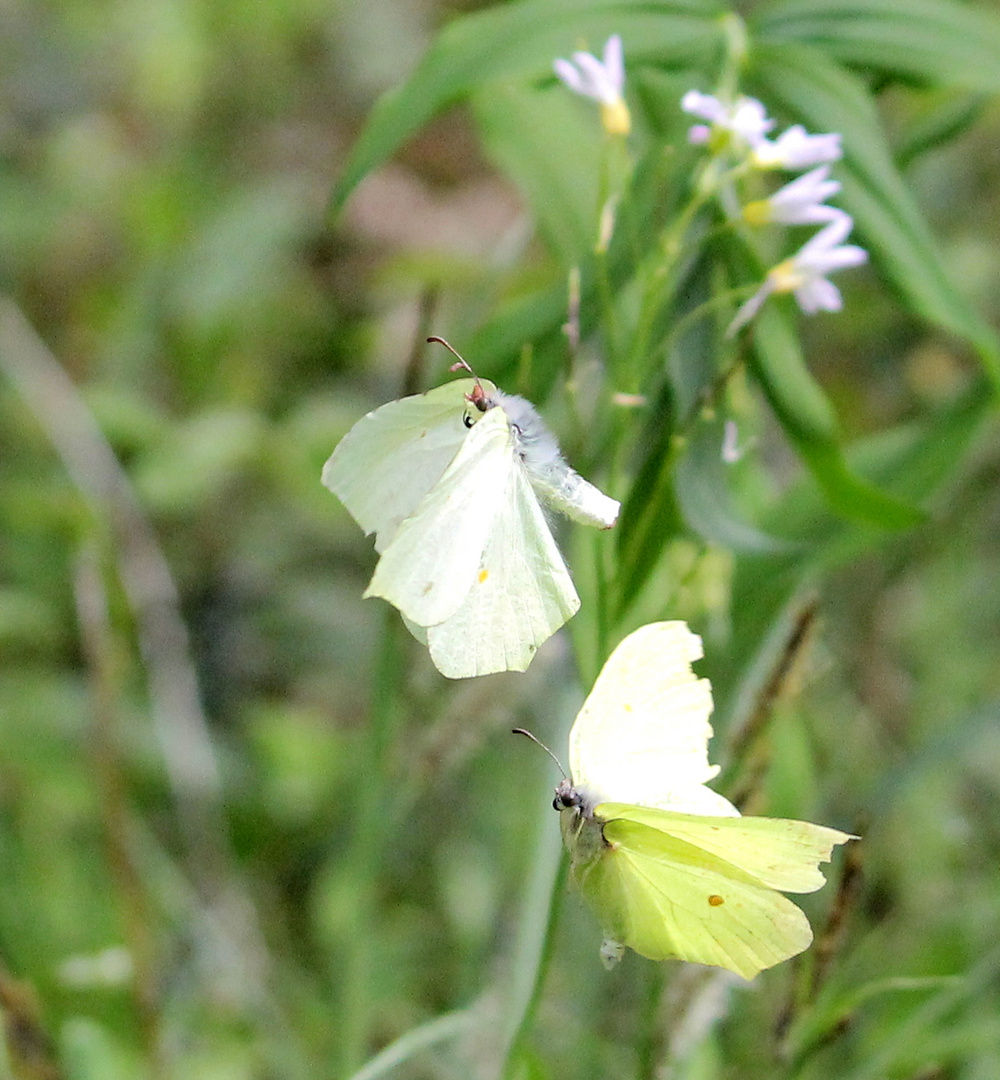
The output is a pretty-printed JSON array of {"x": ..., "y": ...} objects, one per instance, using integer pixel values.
[{"x": 740, "y": 130}]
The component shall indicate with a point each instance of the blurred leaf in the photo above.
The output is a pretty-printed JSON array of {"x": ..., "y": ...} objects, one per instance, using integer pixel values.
[
  {"x": 768, "y": 592},
  {"x": 650, "y": 515},
  {"x": 938, "y": 124},
  {"x": 29, "y": 622},
  {"x": 301, "y": 756},
  {"x": 930, "y": 40},
  {"x": 199, "y": 459},
  {"x": 895, "y": 1044},
  {"x": 521, "y": 40},
  {"x": 827, "y": 98},
  {"x": 912, "y": 461},
  {"x": 90, "y": 1052},
  {"x": 233, "y": 261},
  {"x": 552, "y": 149},
  {"x": 835, "y": 1009},
  {"x": 440, "y": 1029},
  {"x": 808, "y": 420},
  {"x": 705, "y": 499}
]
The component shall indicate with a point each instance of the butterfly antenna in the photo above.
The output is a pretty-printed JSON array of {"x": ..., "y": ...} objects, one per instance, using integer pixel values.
[
  {"x": 522, "y": 731},
  {"x": 462, "y": 364},
  {"x": 478, "y": 396}
]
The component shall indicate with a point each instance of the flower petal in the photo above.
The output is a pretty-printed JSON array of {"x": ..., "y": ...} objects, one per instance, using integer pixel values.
[
  {"x": 614, "y": 63},
  {"x": 595, "y": 78},
  {"x": 704, "y": 106},
  {"x": 819, "y": 295},
  {"x": 569, "y": 75}
]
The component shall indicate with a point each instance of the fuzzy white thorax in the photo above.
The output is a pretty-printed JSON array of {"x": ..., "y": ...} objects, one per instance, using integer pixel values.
[{"x": 560, "y": 486}]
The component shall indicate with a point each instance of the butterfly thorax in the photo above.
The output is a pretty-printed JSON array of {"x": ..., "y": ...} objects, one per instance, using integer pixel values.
[
  {"x": 552, "y": 479},
  {"x": 582, "y": 832}
]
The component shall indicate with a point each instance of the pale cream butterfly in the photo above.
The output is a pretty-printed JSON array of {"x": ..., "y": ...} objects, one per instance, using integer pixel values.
[
  {"x": 450, "y": 481},
  {"x": 669, "y": 866}
]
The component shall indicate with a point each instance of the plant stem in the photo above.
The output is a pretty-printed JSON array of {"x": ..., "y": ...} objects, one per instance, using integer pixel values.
[
  {"x": 533, "y": 953},
  {"x": 362, "y": 861}
]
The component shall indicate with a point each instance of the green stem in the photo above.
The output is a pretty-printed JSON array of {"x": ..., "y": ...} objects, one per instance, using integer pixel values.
[
  {"x": 533, "y": 955},
  {"x": 441, "y": 1029},
  {"x": 364, "y": 854},
  {"x": 658, "y": 278},
  {"x": 651, "y": 1036}
]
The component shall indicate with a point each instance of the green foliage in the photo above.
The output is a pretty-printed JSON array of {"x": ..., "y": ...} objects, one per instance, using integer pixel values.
[{"x": 245, "y": 828}]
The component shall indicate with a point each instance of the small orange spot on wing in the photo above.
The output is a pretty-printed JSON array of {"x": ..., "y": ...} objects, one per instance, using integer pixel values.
[
  {"x": 483, "y": 575},
  {"x": 628, "y": 708},
  {"x": 715, "y": 900}
]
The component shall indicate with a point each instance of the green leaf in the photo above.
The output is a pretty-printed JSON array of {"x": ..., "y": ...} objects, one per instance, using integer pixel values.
[
  {"x": 705, "y": 500},
  {"x": 649, "y": 516},
  {"x": 796, "y": 397},
  {"x": 441, "y": 1029},
  {"x": 911, "y": 461},
  {"x": 938, "y": 123},
  {"x": 825, "y": 97},
  {"x": 551, "y": 147},
  {"x": 929, "y": 40},
  {"x": 808, "y": 420},
  {"x": 520, "y": 41}
]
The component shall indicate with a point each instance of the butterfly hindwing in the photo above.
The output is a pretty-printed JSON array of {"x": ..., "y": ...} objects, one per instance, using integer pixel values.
[
  {"x": 521, "y": 594},
  {"x": 666, "y": 898}
]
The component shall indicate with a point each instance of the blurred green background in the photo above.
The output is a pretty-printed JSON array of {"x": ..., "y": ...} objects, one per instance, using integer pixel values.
[{"x": 328, "y": 844}]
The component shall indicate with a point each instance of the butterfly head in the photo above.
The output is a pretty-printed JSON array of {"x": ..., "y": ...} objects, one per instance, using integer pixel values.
[{"x": 570, "y": 797}]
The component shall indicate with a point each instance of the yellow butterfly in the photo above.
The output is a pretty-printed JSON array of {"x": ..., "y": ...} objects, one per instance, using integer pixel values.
[
  {"x": 450, "y": 482},
  {"x": 669, "y": 866}
]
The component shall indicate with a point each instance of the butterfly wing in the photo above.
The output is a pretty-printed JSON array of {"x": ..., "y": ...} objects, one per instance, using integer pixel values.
[
  {"x": 520, "y": 596},
  {"x": 392, "y": 457},
  {"x": 777, "y": 852},
  {"x": 643, "y": 732},
  {"x": 434, "y": 556},
  {"x": 667, "y": 898}
]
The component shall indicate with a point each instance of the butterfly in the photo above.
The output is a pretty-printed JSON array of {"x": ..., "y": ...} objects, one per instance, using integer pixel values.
[
  {"x": 450, "y": 482},
  {"x": 669, "y": 866}
]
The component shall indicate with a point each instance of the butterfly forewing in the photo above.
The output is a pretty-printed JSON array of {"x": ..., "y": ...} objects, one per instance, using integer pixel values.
[
  {"x": 521, "y": 594},
  {"x": 435, "y": 555},
  {"x": 392, "y": 457}
]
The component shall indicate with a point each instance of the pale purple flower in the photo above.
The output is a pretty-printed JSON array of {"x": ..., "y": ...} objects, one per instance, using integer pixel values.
[
  {"x": 743, "y": 122},
  {"x": 796, "y": 149},
  {"x": 799, "y": 202},
  {"x": 804, "y": 274},
  {"x": 603, "y": 80}
]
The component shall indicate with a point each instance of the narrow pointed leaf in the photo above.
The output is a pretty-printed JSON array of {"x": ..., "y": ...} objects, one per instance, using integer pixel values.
[
  {"x": 808, "y": 420},
  {"x": 552, "y": 149},
  {"x": 935, "y": 41},
  {"x": 520, "y": 41},
  {"x": 706, "y": 501}
]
